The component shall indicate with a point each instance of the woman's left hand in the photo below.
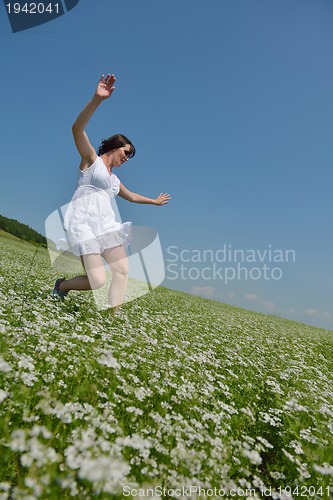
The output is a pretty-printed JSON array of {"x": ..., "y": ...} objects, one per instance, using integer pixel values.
[
  {"x": 105, "y": 86},
  {"x": 162, "y": 199}
]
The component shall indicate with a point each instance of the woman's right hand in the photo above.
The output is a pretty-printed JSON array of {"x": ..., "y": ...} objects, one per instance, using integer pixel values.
[{"x": 105, "y": 86}]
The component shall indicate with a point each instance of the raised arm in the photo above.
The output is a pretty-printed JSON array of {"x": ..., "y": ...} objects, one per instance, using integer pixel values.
[
  {"x": 162, "y": 199},
  {"x": 104, "y": 90}
]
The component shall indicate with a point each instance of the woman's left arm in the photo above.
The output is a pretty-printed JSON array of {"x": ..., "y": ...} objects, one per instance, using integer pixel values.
[{"x": 162, "y": 199}]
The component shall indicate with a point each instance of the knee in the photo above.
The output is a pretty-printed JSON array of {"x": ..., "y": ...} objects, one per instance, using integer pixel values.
[
  {"x": 96, "y": 280},
  {"x": 120, "y": 268}
]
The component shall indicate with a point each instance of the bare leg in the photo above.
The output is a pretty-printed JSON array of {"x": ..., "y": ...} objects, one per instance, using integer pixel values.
[
  {"x": 118, "y": 262},
  {"x": 95, "y": 278}
]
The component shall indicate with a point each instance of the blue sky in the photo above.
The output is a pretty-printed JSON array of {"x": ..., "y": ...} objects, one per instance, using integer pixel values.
[{"x": 230, "y": 106}]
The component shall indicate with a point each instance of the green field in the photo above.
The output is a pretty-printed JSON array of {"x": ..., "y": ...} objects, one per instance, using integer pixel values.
[{"x": 178, "y": 392}]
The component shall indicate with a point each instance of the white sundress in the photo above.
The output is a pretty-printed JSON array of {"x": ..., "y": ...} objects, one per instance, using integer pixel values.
[{"x": 90, "y": 224}]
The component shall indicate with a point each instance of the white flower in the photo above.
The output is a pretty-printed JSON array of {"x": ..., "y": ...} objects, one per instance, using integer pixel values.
[
  {"x": 108, "y": 360},
  {"x": 326, "y": 469},
  {"x": 37, "y": 452},
  {"x": 72, "y": 457},
  {"x": 253, "y": 456},
  {"x": 288, "y": 455},
  {"x": 4, "y": 366},
  {"x": 270, "y": 419},
  {"x": 4, "y": 486},
  {"x": 277, "y": 475},
  {"x": 137, "y": 442},
  {"x": 18, "y": 442},
  {"x": 265, "y": 442},
  {"x": 307, "y": 436},
  {"x": 275, "y": 386},
  {"x": 40, "y": 429},
  {"x": 26, "y": 362},
  {"x": 33, "y": 484},
  {"x": 248, "y": 412},
  {"x": 133, "y": 409},
  {"x": 140, "y": 394},
  {"x": 297, "y": 447},
  {"x": 103, "y": 469},
  {"x": 3, "y": 395},
  {"x": 28, "y": 378}
]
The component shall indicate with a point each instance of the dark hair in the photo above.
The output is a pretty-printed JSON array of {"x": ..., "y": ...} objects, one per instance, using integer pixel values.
[{"x": 114, "y": 142}]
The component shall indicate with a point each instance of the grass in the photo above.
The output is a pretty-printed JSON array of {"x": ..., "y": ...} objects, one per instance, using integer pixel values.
[
  {"x": 176, "y": 392},
  {"x": 4, "y": 234}
]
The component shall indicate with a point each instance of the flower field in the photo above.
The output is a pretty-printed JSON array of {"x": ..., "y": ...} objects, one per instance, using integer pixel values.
[{"x": 177, "y": 397}]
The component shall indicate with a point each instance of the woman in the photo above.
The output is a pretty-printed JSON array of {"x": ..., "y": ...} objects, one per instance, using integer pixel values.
[{"x": 92, "y": 231}]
